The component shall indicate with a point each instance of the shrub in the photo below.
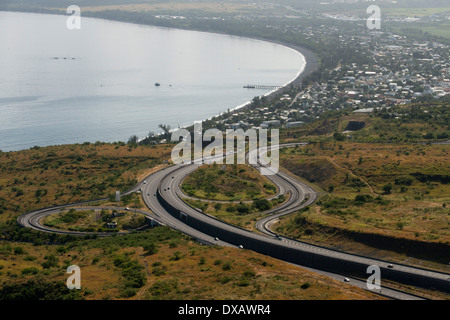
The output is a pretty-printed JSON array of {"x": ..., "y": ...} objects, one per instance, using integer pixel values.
[
  {"x": 403, "y": 181},
  {"x": 159, "y": 271},
  {"x": 29, "y": 258},
  {"x": 31, "y": 270},
  {"x": 163, "y": 287},
  {"x": 363, "y": 198},
  {"x": 150, "y": 249},
  {"x": 270, "y": 187},
  {"x": 305, "y": 286},
  {"x": 339, "y": 136},
  {"x": 387, "y": 189},
  {"x": 50, "y": 261},
  {"x": 128, "y": 292},
  {"x": 231, "y": 209},
  {"x": 176, "y": 256},
  {"x": 400, "y": 225},
  {"x": 226, "y": 266},
  {"x": 243, "y": 283},
  {"x": 38, "y": 290},
  {"x": 225, "y": 280},
  {"x": 249, "y": 274},
  {"x": 131, "y": 271},
  {"x": 242, "y": 208},
  {"x": 443, "y": 135},
  {"x": 19, "y": 250}
]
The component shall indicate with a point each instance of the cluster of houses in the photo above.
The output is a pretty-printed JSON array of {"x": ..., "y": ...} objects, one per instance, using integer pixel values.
[{"x": 401, "y": 71}]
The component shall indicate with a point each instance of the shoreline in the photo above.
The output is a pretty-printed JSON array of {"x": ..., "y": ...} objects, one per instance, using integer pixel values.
[
  {"x": 311, "y": 61},
  {"x": 311, "y": 65}
]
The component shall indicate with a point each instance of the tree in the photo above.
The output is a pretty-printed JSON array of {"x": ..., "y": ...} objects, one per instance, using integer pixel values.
[
  {"x": 133, "y": 139},
  {"x": 256, "y": 102},
  {"x": 339, "y": 136},
  {"x": 262, "y": 204},
  {"x": 387, "y": 189},
  {"x": 242, "y": 208},
  {"x": 166, "y": 129},
  {"x": 150, "y": 249}
]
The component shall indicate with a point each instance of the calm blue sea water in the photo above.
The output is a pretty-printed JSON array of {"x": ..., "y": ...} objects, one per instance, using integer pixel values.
[{"x": 60, "y": 86}]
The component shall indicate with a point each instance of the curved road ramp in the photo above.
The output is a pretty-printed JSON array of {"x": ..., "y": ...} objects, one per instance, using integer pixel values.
[
  {"x": 291, "y": 251},
  {"x": 161, "y": 193}
]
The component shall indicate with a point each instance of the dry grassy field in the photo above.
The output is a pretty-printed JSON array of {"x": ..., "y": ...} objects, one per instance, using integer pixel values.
[
  {"x": 228, "y": 183},
  {"x": 154, "y": 264},
  {"x": 180, "y": 269},
  {"x": 395, "y": 192},
  {"x": 42, "y": 177}
]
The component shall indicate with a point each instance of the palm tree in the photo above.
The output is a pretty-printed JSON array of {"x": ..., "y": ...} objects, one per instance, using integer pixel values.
[
  {"x": 133, "y": 139},
  {"x": 166, "y": 129}
]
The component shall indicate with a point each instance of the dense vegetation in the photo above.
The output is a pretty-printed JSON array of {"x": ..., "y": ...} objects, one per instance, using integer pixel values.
[{"x": 38, "y": 290}]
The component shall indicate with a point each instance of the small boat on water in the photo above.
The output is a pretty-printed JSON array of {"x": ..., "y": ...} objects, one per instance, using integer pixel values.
[{"x": 157, "y": 84}]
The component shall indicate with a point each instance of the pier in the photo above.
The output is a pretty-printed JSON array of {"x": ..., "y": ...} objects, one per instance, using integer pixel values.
[{"x": 258, "y": 86}]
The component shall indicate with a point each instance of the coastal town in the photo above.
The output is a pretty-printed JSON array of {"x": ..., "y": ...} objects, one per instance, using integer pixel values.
[{"x": 401, "y": 71}]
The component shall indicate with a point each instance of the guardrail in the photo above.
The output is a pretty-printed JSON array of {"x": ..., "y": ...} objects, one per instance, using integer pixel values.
[{"x": 298, "y": 256}]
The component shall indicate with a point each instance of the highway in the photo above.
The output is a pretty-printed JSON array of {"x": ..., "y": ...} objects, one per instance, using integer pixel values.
[
  {"x": 167, "y": 186},
  {"x": 162, "y": 194}
]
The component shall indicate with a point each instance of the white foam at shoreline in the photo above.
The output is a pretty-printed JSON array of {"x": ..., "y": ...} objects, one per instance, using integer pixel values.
[
  {"x": 302, "y": 69},
  {"x": 283, "y": 86}
]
